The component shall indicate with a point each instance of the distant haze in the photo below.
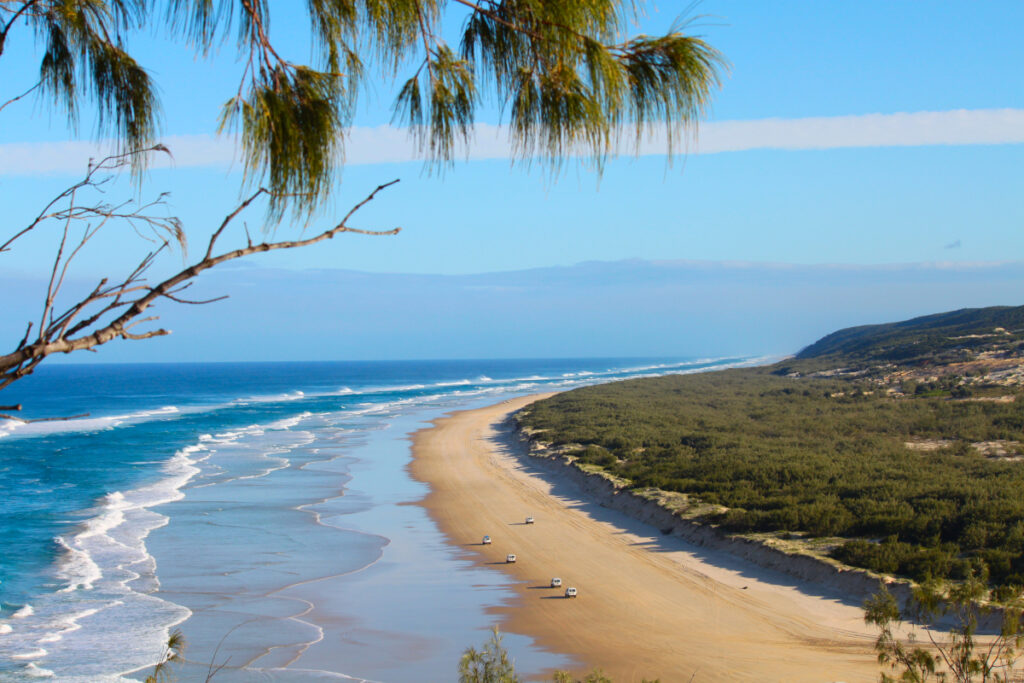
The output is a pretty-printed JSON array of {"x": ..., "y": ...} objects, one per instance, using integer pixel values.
[{"x": 623, "y": 308}]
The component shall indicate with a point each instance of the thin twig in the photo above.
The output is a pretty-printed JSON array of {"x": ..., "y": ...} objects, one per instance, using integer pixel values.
[
  {"x": 43, "y": 419},
  {"x": 58, "y": 335},
  {"x": 15, "y": 99}
]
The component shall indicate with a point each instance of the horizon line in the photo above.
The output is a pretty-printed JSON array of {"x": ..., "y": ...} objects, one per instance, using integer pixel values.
[{"x": 730, "y": 264}]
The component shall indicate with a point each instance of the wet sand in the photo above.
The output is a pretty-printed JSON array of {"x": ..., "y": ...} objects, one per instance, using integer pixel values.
[{"x": 649, "y": 605}]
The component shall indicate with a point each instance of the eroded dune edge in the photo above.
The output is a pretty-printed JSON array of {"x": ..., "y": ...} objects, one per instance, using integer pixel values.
[{"x": 658, "y": 597}]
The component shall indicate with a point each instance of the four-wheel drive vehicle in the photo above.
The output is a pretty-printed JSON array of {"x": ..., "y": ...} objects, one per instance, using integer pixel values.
[{"x": 570, "y": 592}]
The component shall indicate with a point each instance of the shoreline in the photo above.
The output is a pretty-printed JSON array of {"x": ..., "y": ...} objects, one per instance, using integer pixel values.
[
  {"x": 356, "y": 579},
  {"x": 650, "y": 605}
]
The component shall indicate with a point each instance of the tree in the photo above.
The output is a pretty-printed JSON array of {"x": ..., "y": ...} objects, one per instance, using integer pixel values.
[
  {"x": 963, "y": 657},
  {"x": 491, "y": 664},
  {"x": 173, "y": 654},
  {"x": 595, "y": 676},
  {"x": 568, "y": 78}
]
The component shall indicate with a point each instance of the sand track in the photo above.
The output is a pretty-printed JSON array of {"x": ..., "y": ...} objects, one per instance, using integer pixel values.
[{"x": 649, "y": 606}]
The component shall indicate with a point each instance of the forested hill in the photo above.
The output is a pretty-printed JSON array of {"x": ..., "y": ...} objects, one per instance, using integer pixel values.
[{"x": 932, "y": 338}]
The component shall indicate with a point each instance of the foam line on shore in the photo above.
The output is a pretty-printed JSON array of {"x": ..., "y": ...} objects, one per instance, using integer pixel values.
[
  {"x": 106, "y": 555},
  {"x": 525, "y": 383}
]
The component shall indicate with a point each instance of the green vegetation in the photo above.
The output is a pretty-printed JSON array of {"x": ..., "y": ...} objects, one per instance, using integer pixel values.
[
  {"x": 904, "y": 476},
  {"x": 568, "y": 75},
  {"x": 957, "y": 336},
  {"x": 489, "y": 664},
  {"x": 173, "y": 653},
  {"x": 492, "y": 664},
  {"x": 572, "y": 81},
  {"x": 961, "y": 657}
]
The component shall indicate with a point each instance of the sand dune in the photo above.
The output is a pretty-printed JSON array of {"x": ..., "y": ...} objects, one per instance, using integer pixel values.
[{"x": 649, "y": 606}]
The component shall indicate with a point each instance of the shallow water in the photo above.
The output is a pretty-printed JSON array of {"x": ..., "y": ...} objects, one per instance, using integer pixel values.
[{"x": 263, "y": 509}]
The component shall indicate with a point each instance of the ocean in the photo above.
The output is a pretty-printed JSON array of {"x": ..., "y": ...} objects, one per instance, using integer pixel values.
[{"x": 264, "y": 509}]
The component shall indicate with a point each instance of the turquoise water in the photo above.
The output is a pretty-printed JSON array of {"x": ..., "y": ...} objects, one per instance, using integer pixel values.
[{"x": 262, "y": 508}]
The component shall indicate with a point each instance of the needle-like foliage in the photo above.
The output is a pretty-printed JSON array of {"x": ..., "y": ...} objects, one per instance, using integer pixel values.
[
  {"x": 84, "y": 58},
  {"x": 490, "y": 664},
  {"x": 569, "y": 78},
  {"x": 291, "y": 132},
  {"x": 962, "y": 656},
  {"x": 173, "y": 654}
]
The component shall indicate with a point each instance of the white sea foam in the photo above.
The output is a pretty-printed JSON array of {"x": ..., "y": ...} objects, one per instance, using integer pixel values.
[
  {"x": 10, "y": 427},
  {"x": 77, "y": 570},
  {"x": 383, "y": 389},
  {"x": 88, "y": 424},
  {"x": 99, "y": 566},
  {"x": 272, "y": 398},
  {"x": 70, "y": 625},
  {"x": 107, "y": 570},
  {"x": 703, "y": 362},
  {"x": 112, "y": 515},
  {"x": 34, "y": 671},
  {"x": 513, "y": 380},
  {"x": 400, "y": 388},
  {"x": 289, "y": 422}
]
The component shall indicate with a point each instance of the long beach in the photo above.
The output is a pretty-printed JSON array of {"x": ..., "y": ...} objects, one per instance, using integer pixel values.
[{"x": 649, "y": 605}]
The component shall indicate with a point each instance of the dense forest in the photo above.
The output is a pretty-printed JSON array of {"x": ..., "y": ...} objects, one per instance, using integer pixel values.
[{"x": 912, "y": 473}]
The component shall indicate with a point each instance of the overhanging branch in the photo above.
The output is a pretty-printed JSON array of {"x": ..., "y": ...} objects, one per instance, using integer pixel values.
[{"x": 129, "y": 299}]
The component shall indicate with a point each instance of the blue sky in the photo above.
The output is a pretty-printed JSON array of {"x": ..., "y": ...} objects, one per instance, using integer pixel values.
[
  {"x": 845, "y": 133},
  {"x": 624, "y": 308}
]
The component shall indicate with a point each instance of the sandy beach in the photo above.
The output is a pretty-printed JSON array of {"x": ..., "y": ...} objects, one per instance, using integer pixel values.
[{"x": 649, "y": 605}]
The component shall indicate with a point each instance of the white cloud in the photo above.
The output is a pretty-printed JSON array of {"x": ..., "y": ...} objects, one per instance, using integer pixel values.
[
  {"x": 385, "y": 144},
  {"x": 958, "y": 127},
  {"x": 38, "y": 158}
]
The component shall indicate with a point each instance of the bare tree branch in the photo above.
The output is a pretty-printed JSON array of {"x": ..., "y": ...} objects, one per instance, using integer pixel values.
[
  {"x": 95, "y": 178},
  {"x": 24, "y": 94},
  {"x": 190, "y": 302},
  {"x": 112, "y": 310},
  {"x": 230, "y": 217},
  {"x": 42, "y": 419},
  {"x": 25, "y": 8}
]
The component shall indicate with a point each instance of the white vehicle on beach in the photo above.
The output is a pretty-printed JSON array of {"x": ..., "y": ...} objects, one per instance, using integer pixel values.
[
  {"x": 556, "y": 582},
  {"x": 486, "y": 541},
  {"x": 529, "y": 520},
  {"x": 511, "y": 557},
  {"x": 570, "y": 592}
]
